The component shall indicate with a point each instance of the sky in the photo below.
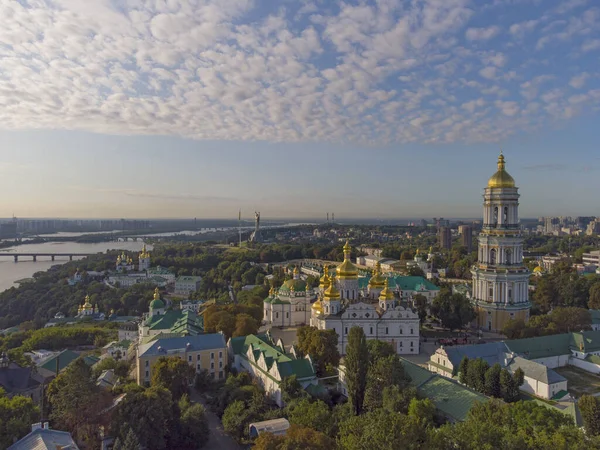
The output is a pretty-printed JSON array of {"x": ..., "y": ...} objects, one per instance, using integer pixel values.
[{"x": 295, "y": 108}]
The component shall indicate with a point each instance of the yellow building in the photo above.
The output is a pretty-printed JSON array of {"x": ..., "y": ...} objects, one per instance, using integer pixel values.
[{"x": 202, "y": 352}]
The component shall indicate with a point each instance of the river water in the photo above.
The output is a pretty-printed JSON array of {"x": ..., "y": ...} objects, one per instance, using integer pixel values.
[{"x": 25, "y": 268}]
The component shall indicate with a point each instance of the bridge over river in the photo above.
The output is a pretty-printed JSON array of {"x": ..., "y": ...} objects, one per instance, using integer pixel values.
[{"x": 35, "y": 255}]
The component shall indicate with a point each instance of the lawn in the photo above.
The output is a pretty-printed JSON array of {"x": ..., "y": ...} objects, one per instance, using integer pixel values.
[{"x": 580, "y": 382}]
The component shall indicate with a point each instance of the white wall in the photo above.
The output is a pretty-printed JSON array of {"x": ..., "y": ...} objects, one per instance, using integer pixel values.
[{"x": 587, "y": 366}]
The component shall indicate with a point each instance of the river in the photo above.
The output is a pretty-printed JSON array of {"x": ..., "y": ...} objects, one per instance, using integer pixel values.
[{"x": 25, "y": 268}]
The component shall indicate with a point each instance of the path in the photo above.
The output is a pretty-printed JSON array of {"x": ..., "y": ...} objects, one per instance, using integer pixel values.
[{"x": 219, "y": 440}]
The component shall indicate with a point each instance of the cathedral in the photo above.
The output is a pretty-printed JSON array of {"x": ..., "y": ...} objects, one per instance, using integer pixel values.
[
  {"x": 289, "y": 306},
  {"x": 500, "y": 279},
  {"x": 379, "y": 314}
]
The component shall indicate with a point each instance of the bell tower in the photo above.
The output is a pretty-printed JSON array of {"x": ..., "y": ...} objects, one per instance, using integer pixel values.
[{"x": 500, "y": 280}]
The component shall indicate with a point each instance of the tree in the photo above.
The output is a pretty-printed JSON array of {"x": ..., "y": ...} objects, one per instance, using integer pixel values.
[
  {"x": 463, "y": 370},
  {"x": 16, "y": 416},
  {"x": 357, "y": 360},
  {"x": 194, "y": 425},
  {"x": 290, "y": 388},
  {"x": 423, "y": 411},
  {"x": 590, "y": 413},
  {"x": 151, "y": 415},
  {"x": 311, "y": 414},
  {"x": 321, "y": 345},
  {"x": 476, "y": 374},
  {"x": 131, "y": 442},
  {"x": 492, "y": 381},
  {"x": 508, "y": 388},
  {"x": 396, "y": 399},
  {"x": 519, "y": 377},
  {"x": 453, "y": 310},
  {"x": 384, "y": 372},
  {"x": 421, "y": 304},
  {"x": 379, "y": 349},
  {"x": 513, "y": 329},
  {"x": 594, "y": 301},
  {"x": 234, "y": 419},
  {"x": 173, "y": 374},
  {"x": 75, "y": 401},
  {"x": 245, "y": 325},
  {"x": 296, "y": 438}
]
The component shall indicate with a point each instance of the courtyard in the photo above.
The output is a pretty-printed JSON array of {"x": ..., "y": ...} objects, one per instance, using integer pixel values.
[{"x": 580, "y": 382}]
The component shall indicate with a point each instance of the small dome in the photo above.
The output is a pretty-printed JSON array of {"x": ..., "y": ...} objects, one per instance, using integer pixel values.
[
  {"x": 157, "y": 302},
  {"x": 331, "y": 292},
  {"x": 501, "y": 179},
  {"x": 347, "y": 269},
  {"x": 324, "y": 281},
  {"x": 377, "y": 280},
  {"x": 317, "y": 306}
]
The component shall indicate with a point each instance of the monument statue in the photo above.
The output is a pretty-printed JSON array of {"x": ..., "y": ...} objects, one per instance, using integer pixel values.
[{"x": 256, "y": 236}]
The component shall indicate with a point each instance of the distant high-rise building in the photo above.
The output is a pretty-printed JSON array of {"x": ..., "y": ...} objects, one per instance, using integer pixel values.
[
  {"x": 466, "y": 236},
  {"x": 445, "y": 237}
]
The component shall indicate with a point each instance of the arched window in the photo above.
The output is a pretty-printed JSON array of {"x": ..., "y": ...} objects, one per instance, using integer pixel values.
[
  {"x": 508, "y": 257},
  {"x": 495, "y": 215},
  {"x": 493, "y": 256},
  {"x": 505, "y": 216}
]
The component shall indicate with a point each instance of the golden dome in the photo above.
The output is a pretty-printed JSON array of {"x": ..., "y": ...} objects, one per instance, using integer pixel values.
[
  {"x": 156, "y": 294},
  {"x": 324, "y": 281},
  {"x": 538, "y": 269},
  {"x": 87, "y": 304},
  {"x": 295, "y": 285},
  {"x": 331, "y": 292},
  {"x": 386, "y": 293},
  {"x": 501, "y": 179},
  {"x": 377, "y": 280},
  {"x": 347, "y": 269},
  {"x": 317, "y": 306}
]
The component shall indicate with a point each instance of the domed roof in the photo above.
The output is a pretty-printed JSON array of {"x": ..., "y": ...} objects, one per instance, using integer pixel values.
[
  {"x": 317, "y": 306},
  {"x": 386, "y": 293},
  {"x": 377, "y": 280},
  {"x": 157, "y": 302},
  {"x": 331, "y": 292},
  {"x": 501, "y": 179},
  {"x": 295, "y": 285},
  {"x": 347, "y": 269},
  {"x": 324, "y": 281}
]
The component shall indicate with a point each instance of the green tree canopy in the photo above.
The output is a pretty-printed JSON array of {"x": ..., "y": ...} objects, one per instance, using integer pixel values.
[
  {"x": 173, "y": 374},
  {"x": 357, "y": 364}
]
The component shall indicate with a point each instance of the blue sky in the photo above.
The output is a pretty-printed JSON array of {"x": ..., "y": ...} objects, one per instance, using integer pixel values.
[{"x": 389, "y": 108}]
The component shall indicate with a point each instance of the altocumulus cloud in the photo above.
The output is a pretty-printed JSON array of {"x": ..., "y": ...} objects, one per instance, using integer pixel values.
[{"x": 370, "y": 72}]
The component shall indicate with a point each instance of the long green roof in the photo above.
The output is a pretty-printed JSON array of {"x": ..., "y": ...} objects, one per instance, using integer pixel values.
[
  {"x": 187, "y": 322},
  {"x": 408, "y": 283},
  {"x": 450, "y": 397},
  {"x": 287, "y": 364}
]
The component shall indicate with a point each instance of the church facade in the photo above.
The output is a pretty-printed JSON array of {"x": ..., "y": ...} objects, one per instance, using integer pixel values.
[
  {"x": 289, "y": 306},
  {"x": 500, "y": 279},
  {"x": 379, "y": 315}
]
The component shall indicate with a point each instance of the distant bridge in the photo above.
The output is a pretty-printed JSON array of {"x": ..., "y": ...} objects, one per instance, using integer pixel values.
[{"x": 51, "y": 255}]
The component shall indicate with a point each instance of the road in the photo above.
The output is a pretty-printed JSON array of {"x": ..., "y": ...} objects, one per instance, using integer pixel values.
[{"x": 219, "y": 440}]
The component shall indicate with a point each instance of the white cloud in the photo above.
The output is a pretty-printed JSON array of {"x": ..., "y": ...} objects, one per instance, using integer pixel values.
[
  {"x": 373, "y": 72},
  {"x": 482, "y": 34},
  {"x": 593, "y": 44},
  {"x": 579, "y": 80}
]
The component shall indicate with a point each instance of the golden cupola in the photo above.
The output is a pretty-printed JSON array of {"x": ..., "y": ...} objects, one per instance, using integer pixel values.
[
  {"x": 386, "y": 294},
  {"x": 377, "y": 280},
  {"x": 324, "y": 281},
  {"x": 332, "y": 292},
  {"x": 87, "y": 304},
  {"x": 501, "y": 179},
  {"x": 347, "y": 270},
  {"x": 317, "y": 306}
]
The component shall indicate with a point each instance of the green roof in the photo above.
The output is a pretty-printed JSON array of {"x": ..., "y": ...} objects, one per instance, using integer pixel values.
[
  {"x": 157, "y": 303},
  {"x": 177, "y": 321},
  {"x": 65, "y": 358},
  {"x": 405, "y": 283},
  {"x": 594, "y": 359},
  {"x": 589, "y": 339},
  {"x": 451, "y": 398},
  {"x": 287, "y": 364},
  {"x": 541, "y": 347}
]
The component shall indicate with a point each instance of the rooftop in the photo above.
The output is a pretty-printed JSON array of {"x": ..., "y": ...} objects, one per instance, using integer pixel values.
[
  {"x": 164, "y": 347},
  {"x": 45, "y": 439}
]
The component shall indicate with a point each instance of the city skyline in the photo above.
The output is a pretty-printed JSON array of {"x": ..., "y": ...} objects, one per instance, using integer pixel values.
[{"x": 389, "y": 109}]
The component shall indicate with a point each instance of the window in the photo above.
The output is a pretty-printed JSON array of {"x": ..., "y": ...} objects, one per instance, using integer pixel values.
[
  {"x": 287, "y": 315},
  {"x": 412, "y": 344},
  {"x": 220, "y": 364},
  {"x": 198, "y": 357},
  {"x": 189, "y": 358},
  {"x": 386, "y": 330},
  {"x": 371, "y": 330},
  {"x": 277, "y": 315},
  {"x": 401, "y": 330},
  {"x": 400, "y": 343},
  {"x": 411, "y": 331},
  {"x": 220, "y": 354},
  {"x": 505, "y": 215},
  {"x": 198, "y": 367},
  {"x": 212, "y": 365},
  {"x": 212, "y": 355},
  {"x": 346, "y": 330},
  {"x": 147, "y": 374},
  {"x": 147, "y": 363},
  {"x": 493, "y": 256},
  {"x": 495, "y": 215}
]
